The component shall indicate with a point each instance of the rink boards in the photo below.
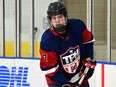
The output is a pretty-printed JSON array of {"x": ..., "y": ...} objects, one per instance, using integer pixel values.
[
  {"x": 25, "y": 72},
  {"x": 10, "y": 49}
]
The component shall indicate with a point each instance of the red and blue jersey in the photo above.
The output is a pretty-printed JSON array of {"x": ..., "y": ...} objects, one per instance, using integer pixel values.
[{"x": 61, "y": 57}]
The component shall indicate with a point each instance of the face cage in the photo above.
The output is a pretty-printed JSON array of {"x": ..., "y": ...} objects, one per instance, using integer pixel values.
[{"x": 50, "y": 23}]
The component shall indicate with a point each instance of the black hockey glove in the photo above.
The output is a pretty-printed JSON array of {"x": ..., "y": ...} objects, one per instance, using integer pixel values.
[{"x": 90, "y": 64}]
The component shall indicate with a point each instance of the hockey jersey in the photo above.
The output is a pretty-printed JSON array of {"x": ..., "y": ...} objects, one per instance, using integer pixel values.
[{"x": 61, "y": 57}]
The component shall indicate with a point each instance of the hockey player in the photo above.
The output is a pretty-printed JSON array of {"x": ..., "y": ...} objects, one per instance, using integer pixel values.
[{"x": 66, "y": 50}]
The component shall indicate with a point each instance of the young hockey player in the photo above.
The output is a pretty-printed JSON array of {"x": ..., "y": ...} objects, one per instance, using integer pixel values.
[{"x": 66, "y": 50}]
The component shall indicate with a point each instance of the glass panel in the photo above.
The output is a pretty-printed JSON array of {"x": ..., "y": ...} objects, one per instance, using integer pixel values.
[
  {"x": 40, "y": 22},
  {"x": 9, "y": 28},
  {"x": 1, "y": 29},
  {"x": 26, "y": 28},
  {"x": 113, "y": 26},
  {"x": 76, "y": 8},
  {"x": 100, "y": 29}
]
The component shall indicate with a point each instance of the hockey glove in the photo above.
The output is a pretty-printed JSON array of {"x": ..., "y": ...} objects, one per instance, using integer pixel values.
[{"x": 90, "y": 64}]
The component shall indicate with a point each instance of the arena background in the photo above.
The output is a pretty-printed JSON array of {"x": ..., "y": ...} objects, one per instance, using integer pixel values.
[{"x": 22, "y": 23}]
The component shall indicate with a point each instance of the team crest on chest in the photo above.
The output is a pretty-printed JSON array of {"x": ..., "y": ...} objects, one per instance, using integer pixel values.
[{"x": 71, "y": 59}]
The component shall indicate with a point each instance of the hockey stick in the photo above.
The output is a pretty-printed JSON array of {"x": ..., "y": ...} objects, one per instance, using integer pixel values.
[{"x": 83, "y": 76}]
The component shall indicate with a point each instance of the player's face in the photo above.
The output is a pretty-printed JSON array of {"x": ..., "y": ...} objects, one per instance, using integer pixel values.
[{"x": 58, "y": 20}]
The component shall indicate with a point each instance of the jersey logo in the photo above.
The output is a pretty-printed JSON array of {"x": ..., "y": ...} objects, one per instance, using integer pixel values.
[{"x": 70, "y": 59}]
